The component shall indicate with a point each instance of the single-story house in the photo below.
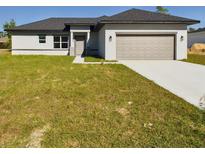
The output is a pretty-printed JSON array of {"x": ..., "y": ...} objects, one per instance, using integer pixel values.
[
  {"x": 132, "y": 34},
  {"x": 197, "y": 36}
]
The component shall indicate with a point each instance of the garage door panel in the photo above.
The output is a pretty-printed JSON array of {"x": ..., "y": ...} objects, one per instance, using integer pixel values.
[{"x": 145, "y": 47}]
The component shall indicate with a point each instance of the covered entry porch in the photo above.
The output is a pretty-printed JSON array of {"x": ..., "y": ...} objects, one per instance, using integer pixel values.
[{"x": 79, "y": 40}]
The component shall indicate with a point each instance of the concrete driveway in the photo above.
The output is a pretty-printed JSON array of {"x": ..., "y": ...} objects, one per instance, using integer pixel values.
[{"x": 185, "y": 80}]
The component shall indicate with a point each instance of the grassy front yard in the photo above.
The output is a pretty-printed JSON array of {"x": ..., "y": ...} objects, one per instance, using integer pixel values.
[
  {"x": 195, "y": 58},
  {"x": 50, "y": 102}
]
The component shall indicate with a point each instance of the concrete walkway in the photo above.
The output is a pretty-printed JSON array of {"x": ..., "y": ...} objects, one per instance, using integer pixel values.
[
  {"x": 185, "y": 80},
  {"x": 78, "y": 60}
]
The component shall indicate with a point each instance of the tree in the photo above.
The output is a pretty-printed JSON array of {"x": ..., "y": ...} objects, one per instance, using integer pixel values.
[
  {"x": 191, "y": 29},
  {"x": 8, "y": 25},
  {"x": 163, "y": 10}
]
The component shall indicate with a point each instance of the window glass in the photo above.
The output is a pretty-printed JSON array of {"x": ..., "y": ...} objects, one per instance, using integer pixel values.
[
  {"x": 56, "y": 45},
  {"x": 60, "y": 41},
  {"x": 42, "y": 39},
  {"x": 64, "y": 39},
  {"x": 64, "y": 45},
  {"x": 56, "y": 38}
]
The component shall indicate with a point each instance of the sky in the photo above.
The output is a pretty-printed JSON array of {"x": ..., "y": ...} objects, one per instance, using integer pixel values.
[{"x": 27, "y": 14}]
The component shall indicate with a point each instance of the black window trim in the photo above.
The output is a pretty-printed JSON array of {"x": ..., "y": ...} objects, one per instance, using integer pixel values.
[
  {"x": 60, "y": 42},
  {"x": 40, "y": 39}
]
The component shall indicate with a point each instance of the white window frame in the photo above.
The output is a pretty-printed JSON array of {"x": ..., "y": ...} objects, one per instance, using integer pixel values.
[{"x": 61, "y": 41}]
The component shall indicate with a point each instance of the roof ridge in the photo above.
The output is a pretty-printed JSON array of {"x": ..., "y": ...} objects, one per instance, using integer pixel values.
[
  {"x": 122, "y": 12},
  {"x": 170, "y": 15},
  {"x": 32, "y": 22},
  {"x": 151, "y": 12}
]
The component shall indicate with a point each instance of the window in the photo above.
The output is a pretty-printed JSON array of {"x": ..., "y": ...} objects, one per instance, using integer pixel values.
[
  {"x": 42, "y": 38},
  {"x": 60, "y": 41},
  {"x": 64, "y": 42},
  {"x": 56, "y": 41}
]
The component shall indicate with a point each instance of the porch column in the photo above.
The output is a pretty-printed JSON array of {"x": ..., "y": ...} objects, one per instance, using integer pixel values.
[
  {"x": 88, "y": 38},
  {"x": 72, "y": 53}
]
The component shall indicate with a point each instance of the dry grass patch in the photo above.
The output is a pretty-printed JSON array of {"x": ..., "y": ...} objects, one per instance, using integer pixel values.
[
  {"x": 37, "y": 136},
  {"x": 123, "y": 111},
  {"x": 197, "y": 48},
  {"x": 4, "y": 52}
]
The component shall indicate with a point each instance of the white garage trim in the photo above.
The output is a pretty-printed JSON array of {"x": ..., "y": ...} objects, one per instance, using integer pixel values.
[{"x": 112, "y": 30}]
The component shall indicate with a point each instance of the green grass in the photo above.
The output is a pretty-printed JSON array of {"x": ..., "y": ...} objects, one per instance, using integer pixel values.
[
  {"x": 195, "y": 58},
  {"x": 87, "y": 106},
  {"x": 97, "y": 59}
]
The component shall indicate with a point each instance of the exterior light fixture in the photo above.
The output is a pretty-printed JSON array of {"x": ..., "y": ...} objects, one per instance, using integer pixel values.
[
  {"x": 110, "y": 38},
  {"x": 182, "y": 38}
]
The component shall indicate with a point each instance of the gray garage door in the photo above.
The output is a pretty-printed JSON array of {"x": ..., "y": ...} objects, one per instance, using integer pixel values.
[{"x": 145, "y": 47}]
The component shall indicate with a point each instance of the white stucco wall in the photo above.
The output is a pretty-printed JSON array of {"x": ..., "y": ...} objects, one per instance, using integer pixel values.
[
  {"x": 29, "y": 44},
  {"x": 196, "y": 37},
  {"x": 112, "y": 29}
]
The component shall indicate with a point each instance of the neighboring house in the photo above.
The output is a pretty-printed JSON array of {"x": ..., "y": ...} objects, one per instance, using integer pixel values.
[
  {"x": 133, "y": 34},
  {"x": 3, "y": 42},
  {"x": 3, "y": 39},
  {"x": 197, "y": 36}
]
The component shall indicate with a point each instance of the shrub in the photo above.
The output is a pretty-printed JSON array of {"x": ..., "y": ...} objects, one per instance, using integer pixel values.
[{"x": 5, "y": 45}]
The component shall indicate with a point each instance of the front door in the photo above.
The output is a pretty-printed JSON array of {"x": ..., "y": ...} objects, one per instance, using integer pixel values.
[{"x": 79, "y": 45}]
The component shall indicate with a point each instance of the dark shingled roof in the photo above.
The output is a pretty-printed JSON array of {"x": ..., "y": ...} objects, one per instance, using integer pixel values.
[
  {"x": 142, "y": 16},
  {"x": 129, "y": 16},
  {"x": 55, "y": 23}
]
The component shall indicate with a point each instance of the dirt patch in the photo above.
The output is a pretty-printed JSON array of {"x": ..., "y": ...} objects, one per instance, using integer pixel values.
[
  {"x": 123, "y": 111},
  {"x": 130, "y": 102},
  {"x": 73, "y": 143},
  {"x": 196, "y": 52},
  {"x": 128, "y": 133},
  {"x": 197, "y": 48},
  {"x": 5, "y": 52},
  {"x": 36, "y": 137}
]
